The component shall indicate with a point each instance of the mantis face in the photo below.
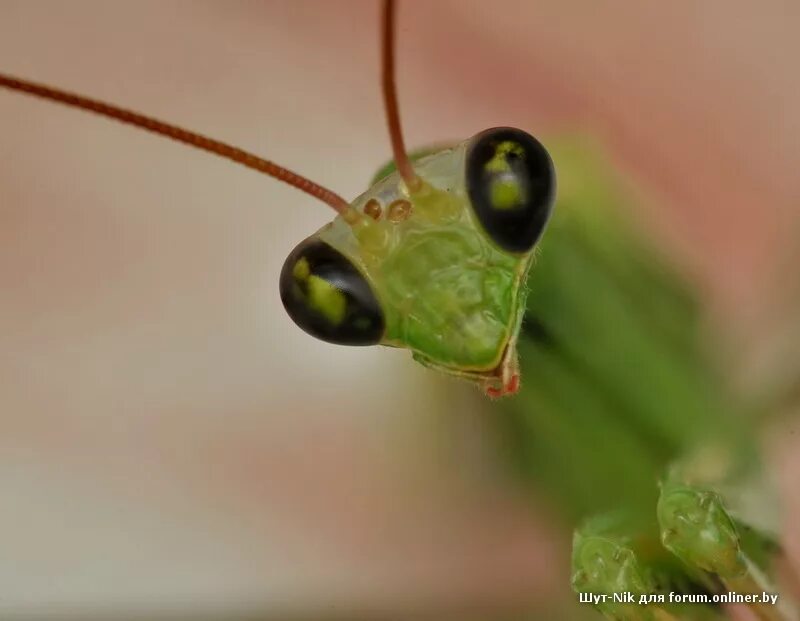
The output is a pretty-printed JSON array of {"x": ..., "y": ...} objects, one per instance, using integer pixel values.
[{"x": 438, "y": 270}]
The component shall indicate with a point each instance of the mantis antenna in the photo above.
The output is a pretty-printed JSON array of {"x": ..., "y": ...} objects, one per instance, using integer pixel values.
[
  {"x": 412, "y": 181},
  {"x": 236, "y": 154},
  {"x": 181, "y": 135}
]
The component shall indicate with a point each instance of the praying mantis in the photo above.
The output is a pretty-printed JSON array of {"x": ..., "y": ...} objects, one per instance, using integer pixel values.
[{"x": 438, "y": 257}]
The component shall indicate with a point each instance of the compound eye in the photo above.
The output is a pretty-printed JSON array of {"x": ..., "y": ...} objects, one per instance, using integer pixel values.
[
  {"x": 327, "y": 297},
  {"x": 511, "y": 184}
]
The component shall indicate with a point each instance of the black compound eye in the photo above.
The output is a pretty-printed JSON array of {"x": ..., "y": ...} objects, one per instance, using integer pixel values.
[
  {"x": 327, "y": 296},
  {"x": 511, "y": 183}
]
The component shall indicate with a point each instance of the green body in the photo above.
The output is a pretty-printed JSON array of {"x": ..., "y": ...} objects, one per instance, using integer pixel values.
[
  {"x": 619, "y": 370},
  {"x": 626, "y": 419}
]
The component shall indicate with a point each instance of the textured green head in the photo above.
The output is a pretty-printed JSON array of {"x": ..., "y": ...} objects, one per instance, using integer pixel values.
[{"x": 440, "y": 270}]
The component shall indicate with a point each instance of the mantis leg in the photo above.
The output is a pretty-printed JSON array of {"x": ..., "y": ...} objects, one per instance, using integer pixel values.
[
  {"x": 700, "y": 530},
  {"x": 620, "y": 568}
]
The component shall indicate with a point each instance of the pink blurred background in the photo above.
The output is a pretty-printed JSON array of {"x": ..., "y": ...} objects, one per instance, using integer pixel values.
[{"x": 170, "y": 441}]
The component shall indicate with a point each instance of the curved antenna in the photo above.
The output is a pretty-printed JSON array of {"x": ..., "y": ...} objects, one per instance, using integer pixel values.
[
  {"x": 412, "y": 181},
  {"x": 182, "y": 135}
]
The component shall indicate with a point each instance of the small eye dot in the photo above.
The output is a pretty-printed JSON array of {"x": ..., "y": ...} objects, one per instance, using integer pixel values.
[
  {"x": 399, "y": 210},
  {"x": 373, "y": 209}
]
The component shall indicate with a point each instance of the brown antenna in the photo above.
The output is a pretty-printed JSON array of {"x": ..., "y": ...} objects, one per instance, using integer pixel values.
[
  {"x": 412, "y": 181},
  {"x": 181, "y": 135}
]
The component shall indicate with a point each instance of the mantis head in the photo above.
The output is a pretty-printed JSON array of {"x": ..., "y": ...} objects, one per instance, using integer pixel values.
[
  {"x": 433, "y": 258},
  {"x": 438, "y": 269}
]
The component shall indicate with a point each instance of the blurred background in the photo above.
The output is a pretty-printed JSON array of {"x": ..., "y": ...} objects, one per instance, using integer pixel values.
[{"x": 171, "y": 444}]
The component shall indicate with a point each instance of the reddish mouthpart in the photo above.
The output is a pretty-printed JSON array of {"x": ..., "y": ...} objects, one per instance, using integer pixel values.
[{"x": 509, "y": 389}]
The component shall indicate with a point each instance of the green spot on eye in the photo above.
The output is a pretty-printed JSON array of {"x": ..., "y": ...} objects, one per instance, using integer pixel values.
[
  {"x": 324, "y": 298},
  {"x": 506, "y": 194},
  {"x": 301, "y": 269},
  {"x": 499, "y": 163}
]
